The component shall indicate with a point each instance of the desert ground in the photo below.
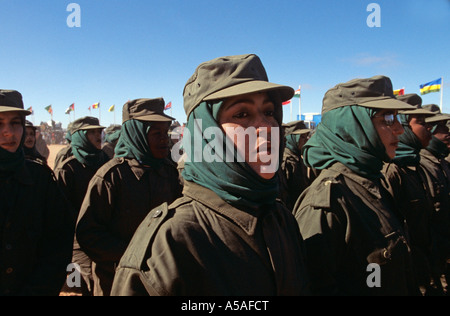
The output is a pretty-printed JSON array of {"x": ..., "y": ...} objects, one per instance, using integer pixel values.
[{"x": 54, "y": 149}]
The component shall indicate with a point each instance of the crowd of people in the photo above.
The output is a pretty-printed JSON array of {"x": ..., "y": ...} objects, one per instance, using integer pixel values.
[{"x": 369, "y": 188}]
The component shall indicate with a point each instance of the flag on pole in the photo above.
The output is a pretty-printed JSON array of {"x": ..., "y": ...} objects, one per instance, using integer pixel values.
[
  {"x": 112, "y": 108},
  {"x": 96, "y": 105},
  {"x": 168, "y": 106},
  {"x": 297, "y": 93},
  {"x": 399, "y": 91},
  {"x": 30, "y": 109},
  {"x": 70, "y": 108},
  {"x": 287, "y": 102},
  {"x": 432, "y": 86},
  {"x": 49, "y": 109}
]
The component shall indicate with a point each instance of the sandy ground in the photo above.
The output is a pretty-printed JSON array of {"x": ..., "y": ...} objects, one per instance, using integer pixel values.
[{"x": 54, "y": 149}]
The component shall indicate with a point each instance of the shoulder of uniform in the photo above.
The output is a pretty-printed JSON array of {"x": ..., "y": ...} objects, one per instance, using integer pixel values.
[
  {"x": 321, "y": 189},
  {"x": 36, "y": 166}
]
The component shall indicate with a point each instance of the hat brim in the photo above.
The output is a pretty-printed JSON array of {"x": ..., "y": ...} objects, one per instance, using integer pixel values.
[
  {"x": 285, "y": 92},
  {"x": 92, "y": 127},
  {"x": 14, "y": 109},
  {"x": 154, "y": 118},
  {"x": 301, "y": 131},
  {"x": 437, "y": 118},
  {"x": 418, "y": 112},
  {"x": 387, "y": 103}
]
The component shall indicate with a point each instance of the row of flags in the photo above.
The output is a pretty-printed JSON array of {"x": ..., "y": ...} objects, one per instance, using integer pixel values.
[{"x": 71, "y": 108}]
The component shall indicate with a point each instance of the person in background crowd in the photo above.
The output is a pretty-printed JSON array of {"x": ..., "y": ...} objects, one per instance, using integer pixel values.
[
  {"x": 73, "y": 176},
  {"x": 29, "y": 146},
  {"x": 406, "y": 182},
  {"x": 36, "y": 229},
  {"x": 66, "y": 152},
  {"x": 126, "y": 189},
  {"x": 293, "y": 172},
  {"x": 437, "y": 172},
  {"x": 347, "y": 218},
  {"x": 112, "y": 134},
  {"x": 41, "y": 145},
  {"x": 228, "y": 234}
]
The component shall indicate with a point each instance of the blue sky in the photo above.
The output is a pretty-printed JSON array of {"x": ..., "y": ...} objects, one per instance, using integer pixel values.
[{"x": 149, "y": 48}]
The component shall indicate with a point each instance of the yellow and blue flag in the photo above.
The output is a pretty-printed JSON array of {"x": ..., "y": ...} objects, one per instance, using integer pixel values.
[{"x": 433, "y": 86}]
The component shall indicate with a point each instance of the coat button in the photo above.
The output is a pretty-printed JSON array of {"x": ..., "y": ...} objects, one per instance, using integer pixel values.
[
  {"x": 8, "y": 247},
  {"x": 157, "y": 214},
  {"x": 9, "y": 270}
]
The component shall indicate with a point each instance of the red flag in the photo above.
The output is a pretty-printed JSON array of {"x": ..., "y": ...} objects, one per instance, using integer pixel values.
[
  {"x": 168, "y": 106},
  {"x": 287, "y": 102},
  {"x": 399, "y": 92}
]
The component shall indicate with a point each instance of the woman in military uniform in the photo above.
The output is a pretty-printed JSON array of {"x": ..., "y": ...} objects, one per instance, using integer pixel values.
[
  {"x": 124, "y": 190},
  {"x": 227, "y": 235},
  {"x": 29, "y": 146},
  {"x": 36, "y": 230},
  {"x": 347, "y": 218}
]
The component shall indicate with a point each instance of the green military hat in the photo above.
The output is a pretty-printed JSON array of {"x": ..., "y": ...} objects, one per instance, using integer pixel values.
[
  {"x": 145, "y": 110},
  {"x": 113, "y": 128},
  {"x": 85, "y": 123},
  {"x": 416, "y": 101},
  {"x": 230, "y": 76},
  {"x": 296, "y": 128},
  {"x": 11, "y": 101},
  {"x": 375, "y": 92},
  {"x": 438, "y": 116}
]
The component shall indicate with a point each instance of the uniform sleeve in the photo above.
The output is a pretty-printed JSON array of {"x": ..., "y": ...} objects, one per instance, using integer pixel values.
[
  {"x": 55, "y": 247},
  {"x": 92, "y": 230}
]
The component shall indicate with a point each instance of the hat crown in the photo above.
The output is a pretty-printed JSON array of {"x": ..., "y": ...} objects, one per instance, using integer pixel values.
[
  {"x": 86, "y": 122},
  {"x": 137, "y": 108},
  {"x": 221, "y": 73},
  {"x": 412, "y": 99},
  {"x": 358, "y": 91},
  {"x": 295, "y": 126},
  {"x": 11, "y": 98},
  {"x": 433, "y": 108}
]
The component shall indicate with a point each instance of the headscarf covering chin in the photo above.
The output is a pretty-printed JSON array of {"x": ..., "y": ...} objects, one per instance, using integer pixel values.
[
  {"x": 347, "y": 135},
  {"x": 408, "y": 151},
  {"x": 85, "y": 152},
  {"x": 133, "y": 143},
  {"x": 235, "y": 182},
  {"x": 438, "y": 148},
  {"x": 292, "y": 141},
  {"x": 10, "y": 162}
]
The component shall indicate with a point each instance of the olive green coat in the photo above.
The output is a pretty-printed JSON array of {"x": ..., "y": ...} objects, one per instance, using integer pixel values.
[
  {"x": 200, "y": 245},
  {"x": 349, "y": 222}
]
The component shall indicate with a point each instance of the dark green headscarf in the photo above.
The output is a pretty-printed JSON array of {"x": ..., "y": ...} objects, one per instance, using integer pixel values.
[
  {"x": 113, "y": 137},
  {"x": 438, "y": 148},
  {"x": 408, "y": 151},
  {"x": 11, "y": 162},
  {"x": 347, "y": 135},
  {"x": 235, "y": 182},
  {"x": 292, "y": 141},
  {"x": 133, "y": 143},
  {"x": 85, "y": 152}
]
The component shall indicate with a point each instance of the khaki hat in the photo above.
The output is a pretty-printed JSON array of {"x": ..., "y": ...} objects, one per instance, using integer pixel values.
[
  {"x": 416, "y": 101},
  {"x": 151, "y": 110},
  {"x": 438, "y": 116},
  {"x": 85, "y": 123},
  {"x": 29, "y": 124},
  {"x": 230, "y": 76},
  {"x": 375, "y": 92},
  {"x": 113, "y": 128},
  {"x": 11, "y": 101},
  {"x": 296, "y": 128}
]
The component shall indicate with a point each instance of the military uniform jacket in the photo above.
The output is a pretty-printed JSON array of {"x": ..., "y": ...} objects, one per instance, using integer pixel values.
[
  {"x": 62, "y": 155},
  {"x": 293, "y": 178},
  {"x": 201, "y": 246},
  {"x": 348, "y": 222},
  {"x": 119, "y": 197},
  {"x": 36, "y": 233}
]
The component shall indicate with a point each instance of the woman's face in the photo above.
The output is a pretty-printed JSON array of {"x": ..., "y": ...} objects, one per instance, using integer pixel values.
[
  {"x": 388, "y": 132},
  {"x": 11, "y": 130},
  {"x": 442, "y": 133},
  {"x": 95, "y": 137},
  {"x": 158, "y": 139},
  {"x": 30, "y": 137},
  {"x": 249, "y": 121},
  {"x": 421, "y": 129}
]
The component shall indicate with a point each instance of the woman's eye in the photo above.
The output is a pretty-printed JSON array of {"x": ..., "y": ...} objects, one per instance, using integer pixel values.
[
  {"x": 270, "y": 113},
  {"x": 240, "y": 115}
]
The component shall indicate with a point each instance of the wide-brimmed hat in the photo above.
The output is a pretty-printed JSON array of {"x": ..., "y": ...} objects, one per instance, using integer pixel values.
[
  {"x": 85, "y": 123},
  {"x": 416, "y": 101},
  {"x": 11, "y": 101},
  {"x": 230, "y": 76},
  {"x": 438, "y": 116},
  {"x": 151, "y": 110},
  {"x": 375, "y": 92},
  {"x": 295, "y": 128}
]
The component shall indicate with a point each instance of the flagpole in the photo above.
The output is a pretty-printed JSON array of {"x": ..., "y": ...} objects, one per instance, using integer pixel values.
[
  {"x": 300, "y": 103},
  {"x": 442, "y": 94}
]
